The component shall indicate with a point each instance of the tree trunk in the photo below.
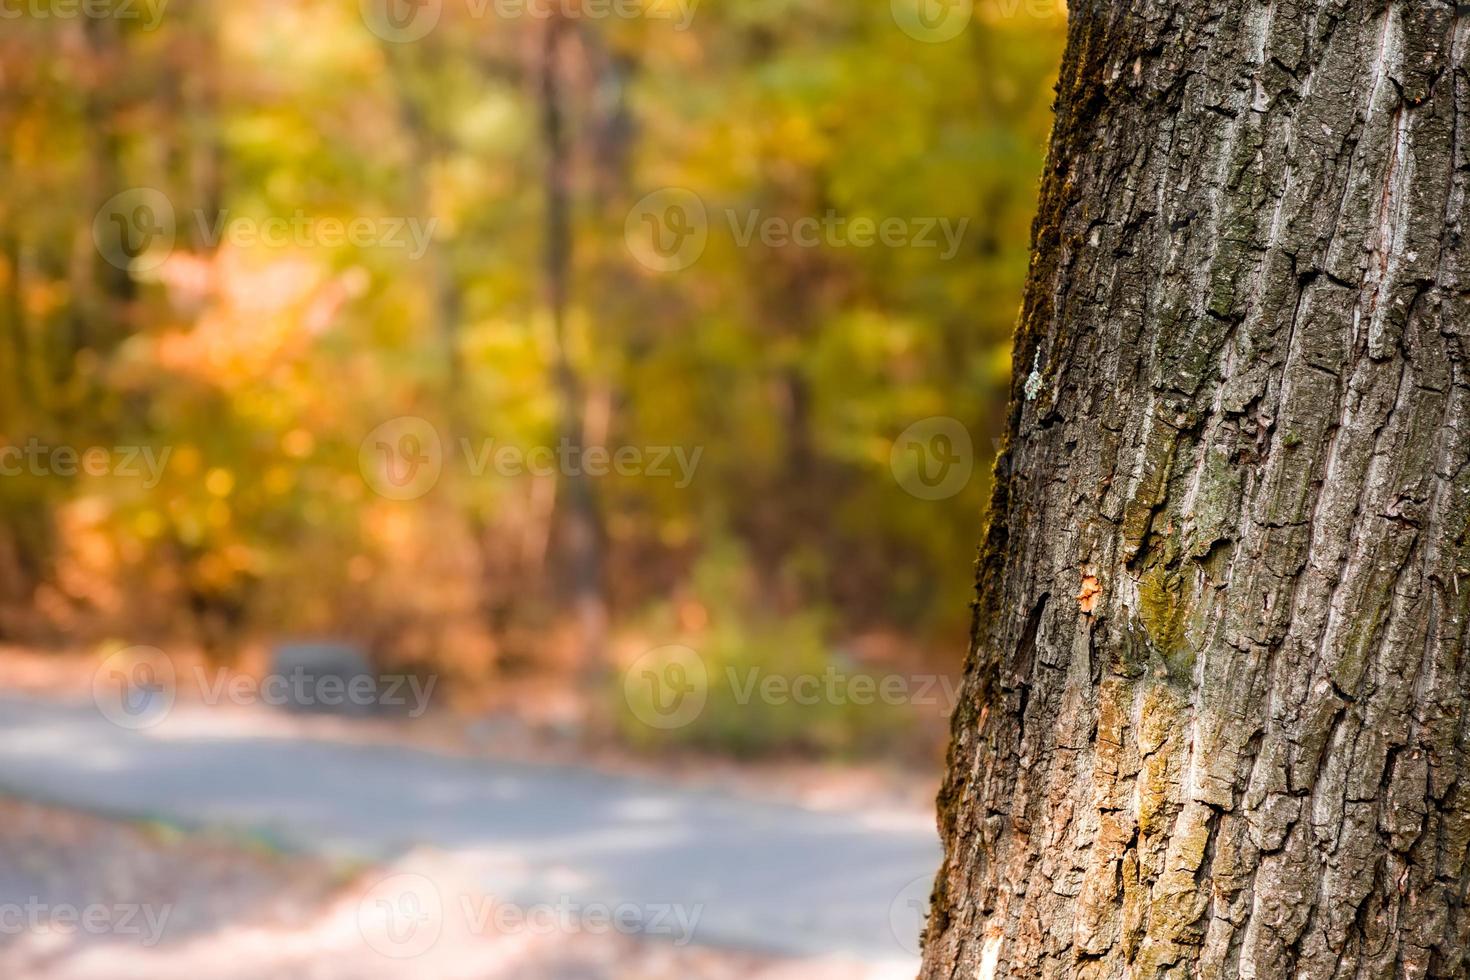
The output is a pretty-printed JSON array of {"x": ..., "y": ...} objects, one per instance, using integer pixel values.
[
  {"x": 1214, "y": 719},
  {"x": 581, "y": 523}
]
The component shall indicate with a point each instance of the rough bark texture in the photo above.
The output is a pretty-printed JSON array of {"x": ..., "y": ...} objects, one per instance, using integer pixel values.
[{"x": 1215, "y": 717}]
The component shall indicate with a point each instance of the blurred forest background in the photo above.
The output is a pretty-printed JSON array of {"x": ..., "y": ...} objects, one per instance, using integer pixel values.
[{"x": 525, "y": 143}]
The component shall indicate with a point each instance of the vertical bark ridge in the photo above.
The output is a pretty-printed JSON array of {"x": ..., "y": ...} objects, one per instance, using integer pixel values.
[{"x": 1215, "y": 717}]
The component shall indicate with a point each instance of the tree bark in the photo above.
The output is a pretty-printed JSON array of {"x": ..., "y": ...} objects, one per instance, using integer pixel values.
[{"x": 1214, "y": 718}]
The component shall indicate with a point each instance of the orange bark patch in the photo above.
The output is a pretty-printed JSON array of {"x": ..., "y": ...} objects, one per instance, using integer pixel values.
[{"x": 1088, "y": 597}]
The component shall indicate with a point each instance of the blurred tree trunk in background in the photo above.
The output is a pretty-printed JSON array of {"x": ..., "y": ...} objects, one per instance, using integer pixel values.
[
  {"x": 1215, "y": 709},
  {"x": 580, "y": 521}
]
